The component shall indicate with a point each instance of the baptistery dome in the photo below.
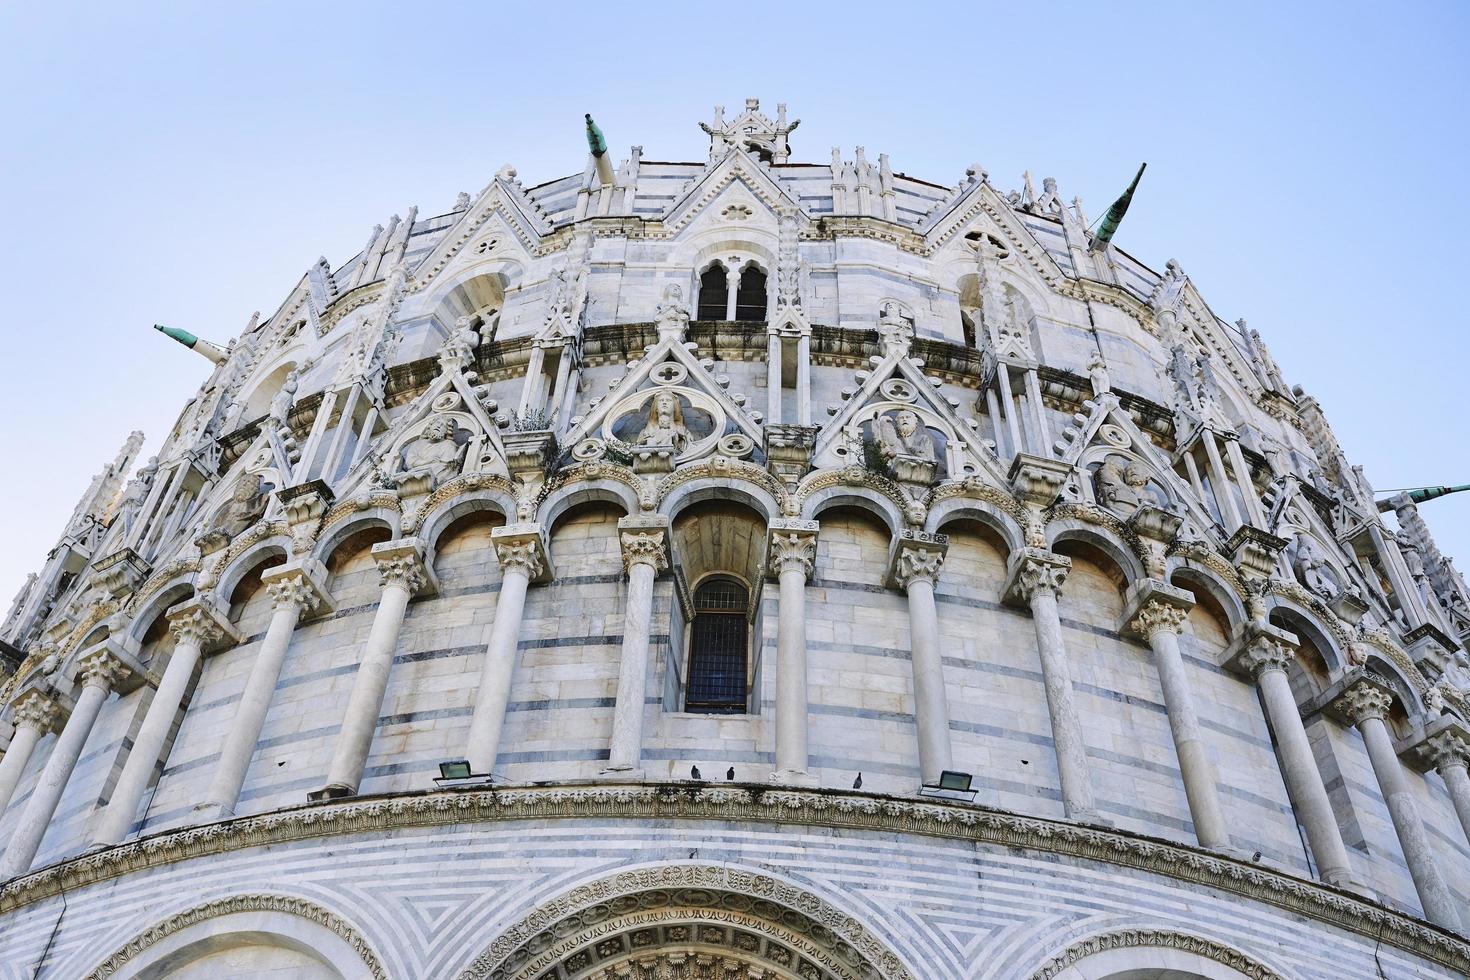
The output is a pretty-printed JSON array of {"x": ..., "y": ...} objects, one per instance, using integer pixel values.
[{"x": 744, "y": 568}]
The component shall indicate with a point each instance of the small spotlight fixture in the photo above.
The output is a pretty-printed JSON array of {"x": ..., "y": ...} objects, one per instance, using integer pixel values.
[
  {"x": 951, "y": 785},
  {"x": 454, "y": 769}
]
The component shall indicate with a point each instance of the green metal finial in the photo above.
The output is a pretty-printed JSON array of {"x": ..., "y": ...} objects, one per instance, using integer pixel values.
[
  {"x": 1421, "y": 494},
  {"x": 1114, "y": 217},
  {"x": 201, "y": 347},
  {"x": 595, "y": 141}
]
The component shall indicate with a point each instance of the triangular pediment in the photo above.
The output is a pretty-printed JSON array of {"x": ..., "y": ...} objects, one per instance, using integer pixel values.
[
  {"x": 896, "y": 384},
  {"x": 504, "y": 203},
  {"x": 734, "y": 166},
  {"x": 710, "y": 413},
  {"x": 978, "y": 207}
]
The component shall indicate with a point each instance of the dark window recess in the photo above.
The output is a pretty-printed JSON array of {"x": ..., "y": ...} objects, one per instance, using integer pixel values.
[
  {"x": 717, "y": 649},
  {"x": 714, "y": 293},
  {"x": 750, "y": 298},
  {"x": 967, "y": 321}
]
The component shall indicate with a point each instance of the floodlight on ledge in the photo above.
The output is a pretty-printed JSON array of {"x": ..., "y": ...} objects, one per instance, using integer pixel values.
[
  {"x": 951, "y": 786},
  {"x": 458, "y": 772}
]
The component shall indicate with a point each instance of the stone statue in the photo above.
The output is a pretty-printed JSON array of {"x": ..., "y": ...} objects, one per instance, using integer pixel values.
[
  {"x": 1207, "y": 387},
  {"x": 1457, "y": 672},
  {"x": 672, "y": 317},
  {"x": 247, "y": 504},
  {"x": 665, "y": 424},
  {"x": 431, "y": 458},
  {"x": 1121, "y": 486},
  {"x": 1183, "y": 370},
  {"x": 459, "y": 346},
  {"x": 895, "y": 327},
  {"x": 285, "y": 398},
  {"x": 1097, "y": 374},
  {"x": 1049, "y": 199},
  {"x": 1417, "y": 571},
  {"x": 136, "y": 493},
  {"x": 1312, "y": 570},
  {"x": 904, "y": 440}
]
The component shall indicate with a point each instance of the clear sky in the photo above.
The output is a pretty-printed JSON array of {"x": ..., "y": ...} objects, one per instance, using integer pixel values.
[{"x": 185, "y": 164}]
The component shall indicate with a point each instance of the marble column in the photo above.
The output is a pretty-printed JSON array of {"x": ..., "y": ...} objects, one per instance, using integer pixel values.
[
  {"x": 792, "y": 551},
  {"x": 804, "y": 379},
  {"x": 1265, "y": 657},
  {"x": 296, "y": 590},
  {"x": 1366, "y": 704},
  {"x": 915, "y": 568},
  {"x": 1449, "y": 753},
  {"x": 1220, "y": 482},
  {"x": 98, "y": 671},
  {"x": 1036, "y": 578},
  {"x": 197, "y": 625},
  {"x": 34, "y": 715},
  {"x": 645, "y": 554},
  {"x": 773, "y": 377},
  {"x": 403, "y": 574},
  {"x": 522, "y": 554},
  {"x": 1157, "y": 612}
]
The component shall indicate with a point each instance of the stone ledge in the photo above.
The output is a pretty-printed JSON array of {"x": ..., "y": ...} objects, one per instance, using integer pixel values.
[{"x": 760, "y": 803}]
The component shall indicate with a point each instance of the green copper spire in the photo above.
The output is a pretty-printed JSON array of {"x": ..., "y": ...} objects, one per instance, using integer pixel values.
[
  {"x": 1421, "y": 494},
  {"x": 595, "y": 141},
  {"x": 202, "y": 347},
  {"x": 1114, "y": 217}
]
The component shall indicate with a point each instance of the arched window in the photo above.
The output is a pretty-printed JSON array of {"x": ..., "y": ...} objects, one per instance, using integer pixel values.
[
  {"x": 967, "y": 323},
  {"x": 714, "y": 293},
  {"x": 750, "y": 298},
  {"x": 718, "y": 648}
]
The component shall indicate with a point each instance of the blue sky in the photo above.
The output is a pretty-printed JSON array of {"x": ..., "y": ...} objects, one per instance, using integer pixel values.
[{"x": 185, "y": 164}]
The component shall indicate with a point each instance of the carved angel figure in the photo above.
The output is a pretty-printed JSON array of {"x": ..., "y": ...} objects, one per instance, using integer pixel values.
[
  {"x": 665, "y": 424},
  {"x": 286, "y": 397},
  {"x": 904, "y": 437},
  {"x": 671, "y": 314},
  {"x": 1312, "y": 570},
  {"x": 1120, "y": 486},
  {"x": 432, "y": 457},
  {"x": 1097, "y": 374},
  {"x": 895, "y": 326}
]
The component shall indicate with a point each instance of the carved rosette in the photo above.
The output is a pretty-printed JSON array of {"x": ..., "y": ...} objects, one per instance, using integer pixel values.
[
  {"x": 1365, "y": 701},
  {"x": 1266, "y": 654},
  {"x": 36, "y": 711},
  {"x": 1446, "y": 750},
  {"x": 1157, "y": 617},
  {"x": 793, "y": 548},
  {"x": 644, "y": 548},
  {"x": 100, "y": 668}
]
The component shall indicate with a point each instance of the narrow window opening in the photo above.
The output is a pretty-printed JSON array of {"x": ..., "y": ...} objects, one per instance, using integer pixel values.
[
  {"x": 718, "y": 648},
  {"x": 714, "y": 293},
  {"x": 750, "y": 297}
]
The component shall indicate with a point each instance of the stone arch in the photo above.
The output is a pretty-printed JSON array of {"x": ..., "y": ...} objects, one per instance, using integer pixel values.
[
  {"x": 875, "y": 502},
  {"x": 740, "y": 491},
  {"x": 258, "y": 401},
  {"x": 1197, "y": 579},
  {"x": 333, "y": 536},
  {"x": 1101, "y": 538},
  {"x": 248, "y": 560},
  {"x": 474, "y": 291},
  {"x": 982, "y": 511},
  {"x": 1152, "y": 954},
  {"x": 170, "y": 593},
  {"x": 434, "y": 522},
  {"x": 1310, "y": 672},
  {"x": 572, "y": 495},
  {"x": 748, "y": 915},
  {"x": 260, "y": 919}
]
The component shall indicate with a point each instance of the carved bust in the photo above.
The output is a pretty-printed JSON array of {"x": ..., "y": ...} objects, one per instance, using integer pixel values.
[
  {"x": 1312, "y": 570},
  {"x": 247, "y": 504},
  {"x": 672, "y": 316},
  {"x": 904, "y": 436},
  {"x": 665, "y": 424}
]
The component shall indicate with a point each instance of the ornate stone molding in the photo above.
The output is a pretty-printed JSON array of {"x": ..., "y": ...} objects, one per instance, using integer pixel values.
[
  {"x": 1156, "y": 939},
  {"x": 236, "y": 904},
  {"x": 840, "y": 809}
]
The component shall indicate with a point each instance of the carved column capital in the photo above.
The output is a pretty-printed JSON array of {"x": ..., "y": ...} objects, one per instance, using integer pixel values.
[
  {"x": 99, "y": 668},
  {"x": 1266, "y": 654},
  {"x": 1034, "y": 570},
  {"x": 644, "y": 548},
  {"x": 1444, "y": 750},
  {"x": 292, "y": 590},
  {"x": 198, "y": 622},
  {"x": 1364, "y": 701},
  {"x": 1158, "y": 617},
  {"x": 401, "y": 563},
  {"x": 792, "y": 544},
  {"x": 525, "y": 555},
  {"x": 916, "y": 563},
  {"x": 523, "y": 546},
  {"x": 35, "y": 710}
]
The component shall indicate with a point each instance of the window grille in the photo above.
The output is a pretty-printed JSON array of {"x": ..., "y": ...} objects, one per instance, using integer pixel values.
[{"x": 719, "y": 642}]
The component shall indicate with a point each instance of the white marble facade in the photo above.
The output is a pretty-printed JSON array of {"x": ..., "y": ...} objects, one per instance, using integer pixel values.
[{"x": 979, "y": 499}]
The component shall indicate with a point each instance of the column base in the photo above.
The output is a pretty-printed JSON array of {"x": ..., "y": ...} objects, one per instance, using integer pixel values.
[
  {"x": 624, "y": 775},
  {"x": 330, "y": 793},
  {"x": 794, "y": 777}
]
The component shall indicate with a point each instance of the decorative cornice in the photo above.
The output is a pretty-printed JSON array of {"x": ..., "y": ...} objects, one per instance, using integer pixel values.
[
  {"x": 236, "y": 904},
  {"x": 841, "y": 809},
  {"x": 1156, "y": 939}
]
